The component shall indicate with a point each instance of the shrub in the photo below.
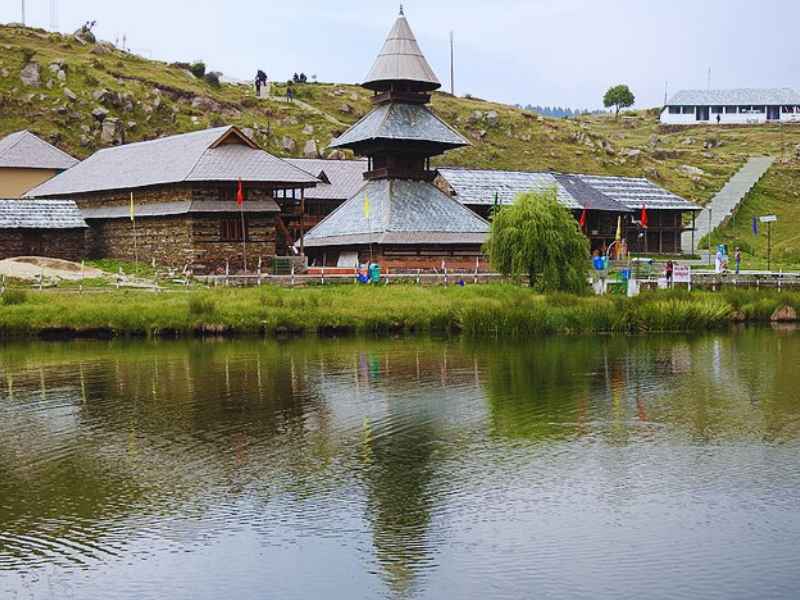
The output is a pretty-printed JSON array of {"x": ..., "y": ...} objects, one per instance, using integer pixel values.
[
  {"x": 13, "y": 297},
  {"x": 198, "y": 69},
  {"x": 212, "y": 78}
]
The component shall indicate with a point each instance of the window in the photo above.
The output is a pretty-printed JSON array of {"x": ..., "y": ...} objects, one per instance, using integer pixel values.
[
  {"x": 788, "y": 109},
  {"x": 228, "y": 193},
  {"x": 717, "y": 110},
  {"x": 230, "y": 230},
  {"x": 759, "y": 109},
  {"x": 731, "y": 110},
  {"x": 674, "y": 110},
  {"x": 688, "y": 110}
]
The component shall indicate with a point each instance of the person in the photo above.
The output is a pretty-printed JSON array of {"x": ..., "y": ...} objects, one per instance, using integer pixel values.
[
  {"x": 718, "y": 261},
  {"x": 258, "y": 87},
  {"x": 668, "y": 272},
  {"x": 289, "y": 93},
  {"x": 719, "y": 118},
  {"x": 738, "y": 258}
]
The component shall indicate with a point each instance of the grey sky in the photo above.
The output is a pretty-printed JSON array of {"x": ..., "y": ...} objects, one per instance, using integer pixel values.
[{"x": 549, "y": 52}]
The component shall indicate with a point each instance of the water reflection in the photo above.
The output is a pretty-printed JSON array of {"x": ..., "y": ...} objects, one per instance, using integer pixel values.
[{"x": 396, "y": 452}]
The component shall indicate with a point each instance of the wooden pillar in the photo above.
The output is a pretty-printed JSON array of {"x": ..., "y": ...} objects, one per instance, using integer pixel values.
[{"x": 302, "y": 221}]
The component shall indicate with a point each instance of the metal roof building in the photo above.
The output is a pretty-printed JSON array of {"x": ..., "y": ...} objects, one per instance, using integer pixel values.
[
  {"x": 338, "y": 179},
  {"x": 221, "y": 154},
  {"x": 40, "y": 214},
  {"x": 25, "y": 150},
  {"x": 735, "y": 97},
  {"x": 745, "y": 106}
]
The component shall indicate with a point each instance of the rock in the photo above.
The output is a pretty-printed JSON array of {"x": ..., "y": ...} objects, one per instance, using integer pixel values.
[
  {"x": 100, "y": 113},
  {"x": 30, "y": 75},
  {"x": 691, "y": 171},
  {"x": 336, "y": 155},
  {"x": 308, "y": 130},
  {"x": 712, "y": 142},
  {"x": 4, "y": 73},
  {"x": 633, "y": 153},
  {"x": 652, "y": 173},
  {"x": 288, "y": 144},
  {"x": 61, "y": 110},
  {"x": 62, "y": 75},
  {"x": 609, "y": 149},
  {"x": 85, "y": 141},
  {"x": 475, "y": 117},
  {"x": 338, "y": 92},
  {"x": 69, "y": 94},
  {"x": 354, "y": 97},
  {"x": 101, "y": 95},
  {"x": 709, "y": 155},
  {"x": 491, "y": 118},
  {"x": 50, "y": 84},
  {"x": 687, "y": 141},
  {"x": 346, "y": 109},
  {"x": 131, "y": 125},
  {"x": 784, "y": 314},
  {"x": 100, "y": 50},
  {"x": 310, "y": 150},
  {"x": 112, "y": 132},
  {"x": 482, "y": 133},
  {"x": 205, "y": 104},
  {"x": 654, "y": 140}
]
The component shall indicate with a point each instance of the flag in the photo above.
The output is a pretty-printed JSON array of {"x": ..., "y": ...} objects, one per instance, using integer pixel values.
[
  {"x": 240, "y": 194},
  {"x": 366, "y": 205},
  {"x": 133, "y": 212},
  {"x": 582, "y": 220},
  {"x": 619, "y": 229},
  {"x": 755, "y": 226},
  {"x": 643, "y": 218}
]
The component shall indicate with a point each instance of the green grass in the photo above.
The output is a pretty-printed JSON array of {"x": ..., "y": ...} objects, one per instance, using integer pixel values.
[{"x": 478, "y": 311}]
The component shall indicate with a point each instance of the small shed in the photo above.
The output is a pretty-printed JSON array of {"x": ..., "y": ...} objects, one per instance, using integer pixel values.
[
  {"x": 26, "y": 161},
  {"x": 53, "y": 228}
]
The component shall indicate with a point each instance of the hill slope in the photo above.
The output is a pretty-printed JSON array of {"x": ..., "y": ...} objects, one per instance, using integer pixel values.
[{"x": 92, "y": 95}]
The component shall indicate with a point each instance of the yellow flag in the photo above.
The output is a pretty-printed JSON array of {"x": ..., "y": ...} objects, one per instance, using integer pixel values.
[
  {"x": 366, "y": 205},
  {"x": 619, "y": 229},
  {"x": 133, "y": 214}
]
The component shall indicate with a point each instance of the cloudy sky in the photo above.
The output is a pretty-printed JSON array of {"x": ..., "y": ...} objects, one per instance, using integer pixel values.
[{"x": 548, "y": 52}]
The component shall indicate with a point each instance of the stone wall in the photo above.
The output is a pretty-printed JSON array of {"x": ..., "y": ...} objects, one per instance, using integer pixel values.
[
  {"x": 167, "y": 239},
  {"x": 410, "y": 258},
  {"x": 67, "y": 244},
  {"x": 211, "y": 253}
]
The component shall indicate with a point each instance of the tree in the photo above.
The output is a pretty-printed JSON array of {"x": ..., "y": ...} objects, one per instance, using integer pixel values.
[
  {"x": 619, "y": 96},
  {"x": 537, "y": 236}
]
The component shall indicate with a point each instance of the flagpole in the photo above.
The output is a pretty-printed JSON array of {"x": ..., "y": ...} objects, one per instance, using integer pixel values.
[
  {"x": 135, "y": 245},
  {"x": 244, "y": 237}
]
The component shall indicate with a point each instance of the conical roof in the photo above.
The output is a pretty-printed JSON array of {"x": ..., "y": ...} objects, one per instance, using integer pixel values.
[
  {"x": 399, "y": 211},
  {"x": 401, "y": 60}
]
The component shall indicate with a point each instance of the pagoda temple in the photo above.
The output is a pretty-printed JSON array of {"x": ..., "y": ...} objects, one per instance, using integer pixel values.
[{"x": 399, "y": 218}]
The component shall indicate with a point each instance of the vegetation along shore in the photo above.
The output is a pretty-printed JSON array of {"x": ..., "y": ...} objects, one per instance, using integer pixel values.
[{"x": 485, "y": 311}]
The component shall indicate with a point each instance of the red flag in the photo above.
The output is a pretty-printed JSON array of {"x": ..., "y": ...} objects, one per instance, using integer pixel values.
[
  {"x": 582, "y": 220},
  {"x": 643, "y": 218},
  {"x": 240, "y": 194}
]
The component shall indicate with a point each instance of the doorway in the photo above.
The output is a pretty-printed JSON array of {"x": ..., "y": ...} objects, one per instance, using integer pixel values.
[
  {"x": 702, "y": 113},
  {"x": 773, "y": 113}
]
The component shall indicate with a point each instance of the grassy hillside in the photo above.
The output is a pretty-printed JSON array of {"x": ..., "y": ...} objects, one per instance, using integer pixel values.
[{"x": 146, "y": 99}]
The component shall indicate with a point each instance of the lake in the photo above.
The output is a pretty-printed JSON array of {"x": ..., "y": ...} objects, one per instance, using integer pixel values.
[{"x": 566, "y": 467}]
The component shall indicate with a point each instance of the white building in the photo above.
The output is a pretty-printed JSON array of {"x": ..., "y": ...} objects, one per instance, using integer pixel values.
[{"x": 732, "y": 107}]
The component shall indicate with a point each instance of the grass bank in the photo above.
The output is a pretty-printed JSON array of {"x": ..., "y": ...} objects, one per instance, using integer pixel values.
[{"x": 498, "y": 310}]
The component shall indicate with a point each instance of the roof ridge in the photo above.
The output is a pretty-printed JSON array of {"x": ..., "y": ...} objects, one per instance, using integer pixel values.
[{"x": 21, "y": 135}]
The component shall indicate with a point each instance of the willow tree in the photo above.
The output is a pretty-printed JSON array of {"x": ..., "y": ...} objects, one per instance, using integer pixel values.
[{"x": 538, "y": 237}]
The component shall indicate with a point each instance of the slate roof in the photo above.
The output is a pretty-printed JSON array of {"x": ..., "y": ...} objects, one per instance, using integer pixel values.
[
  {"x": 40, "y": 214},
  {"x": 161, "y": 209},
  {"x": 479, "y": 186},
  {"x": 402, "y": 211},
  {"x": 735, "y": 97},
  {"x": 401, "y": 59},
  {"x": 24, "y": 150},
  {"x": 345, "y": 177},
  {"x": 575, "y": 191},
  {"x": 400, "y": 121},
  {"x": 196, "y": 156},
  {"x": 636, "y": 192}
]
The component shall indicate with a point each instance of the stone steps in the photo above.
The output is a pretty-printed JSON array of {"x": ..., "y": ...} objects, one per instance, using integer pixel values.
[{"x": 727, "y": 200}]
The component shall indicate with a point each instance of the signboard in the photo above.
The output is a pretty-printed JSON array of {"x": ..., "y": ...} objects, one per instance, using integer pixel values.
[
  {"x": 682, "y": 274},
  {"x": 768, "y": 219}
]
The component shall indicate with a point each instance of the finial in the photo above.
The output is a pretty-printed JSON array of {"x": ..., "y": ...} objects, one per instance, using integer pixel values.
[{"x": 401, "y": 11}]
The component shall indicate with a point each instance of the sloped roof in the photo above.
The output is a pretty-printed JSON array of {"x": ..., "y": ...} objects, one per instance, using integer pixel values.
[
  {"x": 344, "y": 177},
  {"x": 735, "y": 97},
  {"x": 479, "y": 186},
  {"x": 183, "y": 207},
  {"x": 220, "y": 154},
  {"x": 24, "y": 150},
  {"x": 40, "y": 214},
  {"x": 401, "y": 211},
  {"x": 400, "y": 121},
  {"x": 575, "y": 191},
  {"x": 401, "y": 59},
  {"x": 637, "y": 192}
]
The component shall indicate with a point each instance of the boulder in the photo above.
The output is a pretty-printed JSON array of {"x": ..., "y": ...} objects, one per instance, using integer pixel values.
[
  {"x": 354, "y": 97},
  {"x": 69, "y": 94},
  {"x": 308, "y": 129},
  {"x": 346, "y": 109},
  {"x": 100, "y": 113},
  {"x": 654, "y": 140},
  {"x": 310, "y": 150},
  {"x": 30, "y": 75},
  {"x": 491, "y": 118},
  {"x": 652, "y": 173},
  {"x": 687, "y": 141},
  {"x": 633, "y": 153},
  {"x": 288, "y": 144},
  {"x": 112, "y": 132},
  {"x": 475, "y": 117},
  {"x": 205, "y": 104},
  {"x": 62, "y": 75},
  {"x": 691, "y": 171},
  {"x": 4, "y": 73},
  {"x": 336, "y": 155},
  {"x": 99, "y": 50},
  {"x": 101, "y": 95}
]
